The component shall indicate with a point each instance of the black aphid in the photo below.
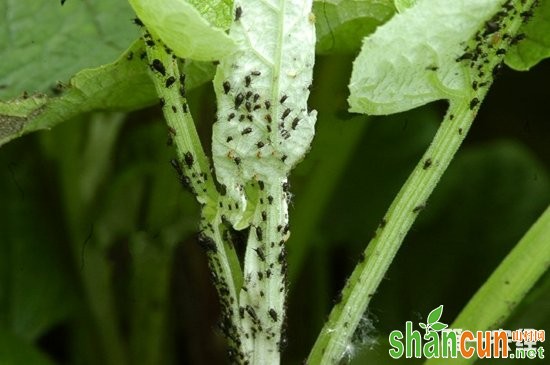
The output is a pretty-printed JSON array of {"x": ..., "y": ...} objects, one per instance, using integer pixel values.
[
  {"x": 230, "y": 116},
  {"x": 295, "y": 122},
  {"x": 473, "y": 103},
  {"x": 286, "y": 186},
  {"x": 207, "y": 243},
  {"x": 170, "y": 81},
  {"x": 162, "y": 102},
  {"x": 264, "y": 215},
  {"x": 259, "y": 233},
  {"x": 229, "y": 139},
  {"x": 247, "y": 130},
  {"x": 260, "y": 144},
  {"x": 255, "y": 73},
  {"x": 283, "y": 98},
  {"x": 267, "y": 104},
  {"x": 252, "y": 313},
  {"x": 492, "y": 26},
  {"x": 260, "y": 253},
  {"x": 427, "y": 164},
  {"x": 188, "y": 158},
  {"x": 239, "y": 100},
  {"x": 157, "y": 65},
  {"x": 247, "y": 80},
  {"x": 248, "y": 106},
  {"x": 237, "y": 160},
  {"x": 226, "y": 87},
  {"x": 238, "y": 13},
  {"x": 465, "y": 56},
  {"x": 150, "y": 42},
  {"x": 174, "y": 109},
  {"x": 261, "y": 184},
  {"x": 526, "y": 15},
  {"x": 270, "y": 199},
  {"x": 285, "y": 113},
  {"x": 273, "y": 314},
  {"x": 517, "y": 38}
]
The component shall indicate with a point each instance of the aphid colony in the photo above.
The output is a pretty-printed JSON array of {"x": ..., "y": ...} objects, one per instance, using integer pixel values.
[
  {"x": 484, "y": 57},
  {"x": 252, "y": 113}
]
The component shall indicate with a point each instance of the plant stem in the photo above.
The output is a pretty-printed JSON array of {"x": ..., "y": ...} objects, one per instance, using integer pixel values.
[
  {"x": 194, "y": 169},
  {"x": 334, "y": 340},
  {"x": 264, "y": 291}
]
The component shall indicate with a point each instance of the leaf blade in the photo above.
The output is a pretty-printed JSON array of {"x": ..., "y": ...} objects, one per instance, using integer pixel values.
[
  {"x": 183, "y": 28},
  {"x": 412, "y": 59}
]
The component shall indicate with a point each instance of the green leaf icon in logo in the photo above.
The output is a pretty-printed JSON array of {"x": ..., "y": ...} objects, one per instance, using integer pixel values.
[
  {"x": 433, "y": 323},
  {"x": 438, "y": 326},
  {"x": 434, "y": 315}
]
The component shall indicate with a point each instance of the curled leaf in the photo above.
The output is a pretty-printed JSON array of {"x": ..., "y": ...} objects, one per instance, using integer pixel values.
[{"x": 412, "y": 59}]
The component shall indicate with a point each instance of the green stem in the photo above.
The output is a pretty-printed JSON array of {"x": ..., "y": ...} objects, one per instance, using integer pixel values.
[
  {"x": 194, "y": 169},
  {"x": 335, "y": 337},
  {"x": 507, "y": 286},
  {"x": 264, "y": 291}
]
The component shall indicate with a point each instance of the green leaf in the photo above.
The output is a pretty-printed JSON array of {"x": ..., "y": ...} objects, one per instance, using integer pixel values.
[
  {"x": 411, "y": 60},
  {"x": 15, "y": 351},
  {"x": 217, "y": 12},
  {"x": 341, "y": 25},
  {"x": 402, "y": 5},
  {"x": 422, "y": 325},
  {"x": 182, "y": 28},
  {"x": 38, "y": 51},
  {"x": 122, "y": 85},
  {"x": 536, "y": 45},
  {"x": 435, "y": 315},
  {"x": 438, "y": 326}
]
